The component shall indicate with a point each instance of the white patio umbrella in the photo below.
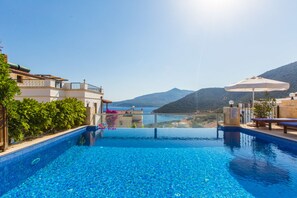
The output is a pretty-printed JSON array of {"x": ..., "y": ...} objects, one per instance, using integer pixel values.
[{"x": 257, "y": 84}]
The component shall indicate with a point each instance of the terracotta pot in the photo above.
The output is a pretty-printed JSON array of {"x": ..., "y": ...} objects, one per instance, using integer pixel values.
[{"x": 261, "y": 124}]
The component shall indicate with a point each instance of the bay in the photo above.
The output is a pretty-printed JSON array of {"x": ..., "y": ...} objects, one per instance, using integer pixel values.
[{"x": 148, "y": 117}]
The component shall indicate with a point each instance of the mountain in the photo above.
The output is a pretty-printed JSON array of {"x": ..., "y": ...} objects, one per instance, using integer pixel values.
[
  {"x": 213, "y": 99},
  {"x": 155, "y": 99}
]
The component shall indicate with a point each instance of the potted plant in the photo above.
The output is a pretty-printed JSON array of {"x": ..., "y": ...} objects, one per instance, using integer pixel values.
[{"x": 262, "y": 109}]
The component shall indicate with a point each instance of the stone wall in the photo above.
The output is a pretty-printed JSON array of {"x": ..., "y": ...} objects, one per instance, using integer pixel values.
[
  {"x": 231, "y": 116},
  {"x": 288, "y": 109}
]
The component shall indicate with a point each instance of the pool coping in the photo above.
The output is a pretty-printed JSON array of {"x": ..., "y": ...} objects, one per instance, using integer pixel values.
[
  {"x": 275, "y": 132},
  {"x": 19, "y": 146}
]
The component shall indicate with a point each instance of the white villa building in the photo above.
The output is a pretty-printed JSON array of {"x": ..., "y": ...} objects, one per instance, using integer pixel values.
[{"x": 46, "y": 88}]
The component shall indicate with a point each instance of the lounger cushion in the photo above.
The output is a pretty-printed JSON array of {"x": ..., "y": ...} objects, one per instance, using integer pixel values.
[{"x": 292, "y": 124}]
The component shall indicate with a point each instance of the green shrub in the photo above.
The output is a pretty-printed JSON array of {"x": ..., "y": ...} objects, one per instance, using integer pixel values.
[
  {"x": 25, "y": 119},
  {"x": 28, "y": 118},
  {"x": 49, "y": 111},
  {"x": 8, "y": 87},
  {"x": 263, "y": 108},
  {"x": 15, "y": 125},
  {"x": 134, "y": 125},
  {"x": 71, "y": 113}
]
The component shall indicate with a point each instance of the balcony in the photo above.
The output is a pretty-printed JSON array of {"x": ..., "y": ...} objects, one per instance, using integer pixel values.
[
  {"x": 59, "y": 85},
  {"x": 32, "y": 83},
  {"x": 84, "y": 86}
]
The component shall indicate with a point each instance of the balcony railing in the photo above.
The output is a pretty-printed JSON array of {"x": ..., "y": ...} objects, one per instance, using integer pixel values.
[
  {"x": 59, "y": 84},
  {"x": 75, "y": 85},
  {"x": 31, "y": 83},
  {"x": 94, "y": 88},
  {"x": 85, "y": 86}
]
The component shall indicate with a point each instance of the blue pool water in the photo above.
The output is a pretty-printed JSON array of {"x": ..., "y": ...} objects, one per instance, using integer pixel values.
[{"x": 132, "y": 163}]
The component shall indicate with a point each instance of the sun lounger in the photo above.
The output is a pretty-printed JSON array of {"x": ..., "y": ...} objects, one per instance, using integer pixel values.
[
  {"x": 288, "y": 124},
  {"x": 273, "y": 120}
]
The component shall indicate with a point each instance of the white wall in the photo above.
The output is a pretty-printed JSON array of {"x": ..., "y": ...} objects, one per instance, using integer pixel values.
[
  {"x": 49, "y": 93},
  {"x": 39, "y": 94}
]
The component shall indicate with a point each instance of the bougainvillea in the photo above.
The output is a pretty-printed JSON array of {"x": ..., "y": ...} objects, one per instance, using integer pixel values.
[{"x": 111, "y": 119}]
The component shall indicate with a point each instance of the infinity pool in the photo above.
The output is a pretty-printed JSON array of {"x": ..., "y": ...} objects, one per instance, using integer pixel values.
[{"x": 145, "y": 163}]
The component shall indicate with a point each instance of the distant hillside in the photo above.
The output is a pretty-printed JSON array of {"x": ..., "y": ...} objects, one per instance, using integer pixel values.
[
  {"x": 286, "y": 73},
  {"x": 155, "y": 99},
  {"x": 215, "y": 98}
]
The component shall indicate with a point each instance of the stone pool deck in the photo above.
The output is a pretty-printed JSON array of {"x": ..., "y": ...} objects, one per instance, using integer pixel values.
[
  {"x": 277, "y": 131},
  {"x": 15, "y": 147}
]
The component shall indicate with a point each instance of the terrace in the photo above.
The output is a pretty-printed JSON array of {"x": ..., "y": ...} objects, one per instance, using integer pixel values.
[
  {"x": 221, "y": 146},
  {"x": 225, "y": 155},
  {"x": 59, "y": 84}
]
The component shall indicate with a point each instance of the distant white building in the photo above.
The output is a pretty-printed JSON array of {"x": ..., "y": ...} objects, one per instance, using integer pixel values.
[{"x": 46, "y": 88}]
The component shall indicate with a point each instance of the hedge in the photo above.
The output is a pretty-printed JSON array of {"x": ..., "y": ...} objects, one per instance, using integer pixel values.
[{"x": 29, "y": 119}]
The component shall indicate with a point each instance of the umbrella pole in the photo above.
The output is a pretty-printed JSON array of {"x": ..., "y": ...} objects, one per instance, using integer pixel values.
[
  {"x": 253, "y": 99},
  {"x": 253, "y": 103}
]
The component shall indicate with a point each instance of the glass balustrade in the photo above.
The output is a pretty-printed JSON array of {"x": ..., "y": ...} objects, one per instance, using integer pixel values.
[{"x": 159, "y": 120}]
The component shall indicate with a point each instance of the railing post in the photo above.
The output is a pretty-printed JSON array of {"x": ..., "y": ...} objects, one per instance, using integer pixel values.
[
  {"x": 244, "y": 114},
  {"x": 217, "y": 117},
  {"x": 155, "y": 126},
  {"x": 247, "y": 118}
]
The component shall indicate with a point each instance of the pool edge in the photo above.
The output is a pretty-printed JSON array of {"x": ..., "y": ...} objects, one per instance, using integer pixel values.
[
  {"x": 25, "y": 145},
  {"x": 282, "y": 136}
]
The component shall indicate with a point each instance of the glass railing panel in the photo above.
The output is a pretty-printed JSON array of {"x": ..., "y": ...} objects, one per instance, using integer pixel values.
[
  {"x": 74, "y": 85},
  {"x": 140, "y": 120},
  {"x": 94, "y": 88}
]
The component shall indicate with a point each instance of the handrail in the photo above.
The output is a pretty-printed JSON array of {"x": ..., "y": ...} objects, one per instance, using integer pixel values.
[{"x": 201, "y": 114}]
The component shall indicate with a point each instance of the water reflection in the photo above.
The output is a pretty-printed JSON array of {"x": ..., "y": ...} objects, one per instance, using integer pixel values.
[
  {"x": 89, "y": 138},
  {"x": 263, "y": 149},
  {"x": 258, "y": 147},
  {"x": 232, "y": 139},
  {"x": 254, "y": 164},
  {"x": 258, "y": 170}
]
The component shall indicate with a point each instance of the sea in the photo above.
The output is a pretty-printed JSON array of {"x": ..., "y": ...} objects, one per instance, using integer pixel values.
[{"x": 148, "y": 117}]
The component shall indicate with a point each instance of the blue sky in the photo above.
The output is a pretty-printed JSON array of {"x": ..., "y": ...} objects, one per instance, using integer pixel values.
[{"x": 135, "y": 47}]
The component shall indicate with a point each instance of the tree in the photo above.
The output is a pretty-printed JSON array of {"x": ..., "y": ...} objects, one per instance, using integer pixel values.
[{"x": 8, "y": 87}]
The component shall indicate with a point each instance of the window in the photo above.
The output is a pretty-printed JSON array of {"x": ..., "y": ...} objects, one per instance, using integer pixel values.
[
  {"x": 58, "y": 84},
  {"x": 95, "y": 104},
  {"x": 19, "y": 79}
]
